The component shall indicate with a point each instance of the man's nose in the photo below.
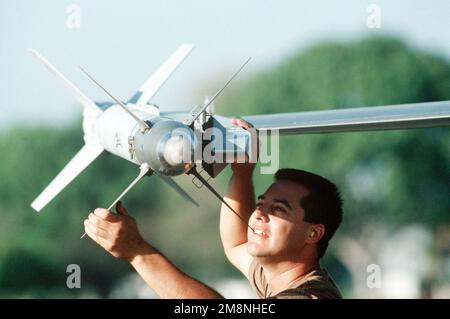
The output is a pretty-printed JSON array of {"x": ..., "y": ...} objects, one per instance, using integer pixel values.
[{"x": 261, "y": 215}]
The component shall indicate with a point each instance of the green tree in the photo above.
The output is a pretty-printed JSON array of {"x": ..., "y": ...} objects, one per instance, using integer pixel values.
[{"x": 395, "y": 176}]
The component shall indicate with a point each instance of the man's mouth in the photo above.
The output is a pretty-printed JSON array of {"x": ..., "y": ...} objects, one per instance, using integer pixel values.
[{"x": 259, "y": 232}]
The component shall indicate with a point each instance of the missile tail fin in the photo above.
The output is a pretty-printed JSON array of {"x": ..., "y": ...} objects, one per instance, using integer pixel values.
[
  {"x": 76, "y": 92},
  {"x": 87, "y": 154}
]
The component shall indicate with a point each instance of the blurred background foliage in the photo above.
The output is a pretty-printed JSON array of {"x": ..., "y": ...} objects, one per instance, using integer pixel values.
[{"x": 388, "y": 179}]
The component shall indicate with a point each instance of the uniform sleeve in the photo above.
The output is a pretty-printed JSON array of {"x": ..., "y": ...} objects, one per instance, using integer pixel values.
[{"x": 257, "y": 278}]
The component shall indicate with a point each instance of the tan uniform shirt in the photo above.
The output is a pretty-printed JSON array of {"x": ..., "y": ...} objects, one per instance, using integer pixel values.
[{"x": 316, "y": 284}]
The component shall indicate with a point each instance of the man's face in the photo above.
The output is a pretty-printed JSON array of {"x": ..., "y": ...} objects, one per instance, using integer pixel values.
[{"x": 278, "y": 222}]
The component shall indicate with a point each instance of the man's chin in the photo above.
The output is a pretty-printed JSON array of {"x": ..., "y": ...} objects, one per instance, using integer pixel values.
[{"x": 255, "y": 250}]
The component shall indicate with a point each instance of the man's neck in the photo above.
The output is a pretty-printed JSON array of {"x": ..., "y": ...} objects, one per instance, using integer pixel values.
[{"x": 281, "y": 275}]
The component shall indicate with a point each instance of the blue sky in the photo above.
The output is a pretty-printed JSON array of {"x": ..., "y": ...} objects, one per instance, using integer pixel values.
[{"x": 122, "y": 42}]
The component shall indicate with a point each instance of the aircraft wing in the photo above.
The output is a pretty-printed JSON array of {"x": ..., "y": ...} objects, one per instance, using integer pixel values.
[
  {"x": 157, "y": 79},
  {"x": 402, "y": 116}
]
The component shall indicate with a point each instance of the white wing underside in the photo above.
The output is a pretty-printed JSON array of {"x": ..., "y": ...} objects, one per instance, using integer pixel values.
[{"x": 81, "y": 160}]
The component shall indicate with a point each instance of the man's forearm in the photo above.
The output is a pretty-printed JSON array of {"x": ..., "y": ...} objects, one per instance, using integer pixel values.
[
  {"x": 240, "y": 196},
  {"x": 166, "y": 279}
]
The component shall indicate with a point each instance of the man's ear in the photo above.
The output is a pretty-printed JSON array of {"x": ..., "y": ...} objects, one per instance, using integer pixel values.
[{"x": 315, "y": 234}]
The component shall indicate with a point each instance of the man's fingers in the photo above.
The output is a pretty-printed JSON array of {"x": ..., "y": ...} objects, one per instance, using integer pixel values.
[
  {"x": 105, "y": 214},
  {"x": 96, "y": 230},
  {"x": 234, "y": 121},
  {"x": 255, "y": 140},
  {"x": 99, "y": 240},
  {"x": 98, "y": 221},
  {"x": 121, "y": 209},
  {"x": 242, "y": 123}
]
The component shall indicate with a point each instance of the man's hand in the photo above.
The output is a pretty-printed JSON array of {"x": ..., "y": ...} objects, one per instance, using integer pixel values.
[
  {"x": 244, "y": 169},
  {"x": 117, "y": 233}
]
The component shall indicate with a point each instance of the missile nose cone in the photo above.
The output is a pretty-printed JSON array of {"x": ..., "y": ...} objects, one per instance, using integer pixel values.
[
  {"x": 178, "y": 150},
  {"x": 168, "y": 147}
]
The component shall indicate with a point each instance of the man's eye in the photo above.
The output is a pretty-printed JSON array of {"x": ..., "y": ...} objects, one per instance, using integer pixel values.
[{"x": 279, "y": 209}]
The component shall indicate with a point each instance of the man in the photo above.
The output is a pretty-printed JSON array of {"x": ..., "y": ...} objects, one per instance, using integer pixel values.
[{"x": 291, "y": 225}]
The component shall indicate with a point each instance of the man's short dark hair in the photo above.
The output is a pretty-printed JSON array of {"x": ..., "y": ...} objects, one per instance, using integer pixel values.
[{"x": 322, "y": 205}]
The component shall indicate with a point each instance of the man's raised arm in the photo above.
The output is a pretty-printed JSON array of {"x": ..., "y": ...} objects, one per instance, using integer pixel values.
[{"x": 240, "y": 196}]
